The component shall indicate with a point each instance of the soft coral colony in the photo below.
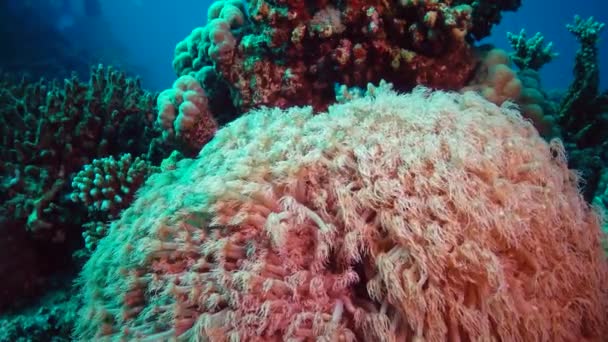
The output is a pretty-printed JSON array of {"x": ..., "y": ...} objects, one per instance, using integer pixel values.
[{"x": 377, "y": 177}]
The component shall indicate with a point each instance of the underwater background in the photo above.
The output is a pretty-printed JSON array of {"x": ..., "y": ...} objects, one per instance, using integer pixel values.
[{"x": 142, "y": 141}]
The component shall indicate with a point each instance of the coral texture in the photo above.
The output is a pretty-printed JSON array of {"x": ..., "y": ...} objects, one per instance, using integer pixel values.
[
  {"x": 530, "y": 53},
  {"x": 108, "y": 184},
  {"x": 583, "y": 112},
  {"x": 51, "y": 320},
  {"x": 428, "y": 216},
  {"x": 600, "y": 200}
]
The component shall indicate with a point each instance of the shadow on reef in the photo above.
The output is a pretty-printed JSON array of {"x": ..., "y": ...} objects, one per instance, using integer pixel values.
[{"x": 30, "y": 266}]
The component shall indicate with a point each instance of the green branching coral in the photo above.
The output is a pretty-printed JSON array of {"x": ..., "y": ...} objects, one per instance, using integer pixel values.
[
  {"x": 51, "y": 130},
  {"x": 584, "y": 90},
  {"x": 587, "y": 31},
  {"x": 583, "y": 112},
  {"x": 530, "y": 53},
  {"x": 106, "y": 187},
  {"x": 48, "y": 131}
]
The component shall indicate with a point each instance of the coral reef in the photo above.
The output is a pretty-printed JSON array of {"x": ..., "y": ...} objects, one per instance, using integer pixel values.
[
  {"x": 486, "y": 13},
  {"x": 325, "y": 207},
  {"x": 600, "y": 198},
  {"x": 498, "y": 82},
  {"x": 579, "y": 109},
  {"x": 52, "y": 320},
  {"x": 48, "y": 132},
  {"x": 51, "y": 131},
  {"x": 425, "y": 216},
  {"x": 108, "y": 184}
]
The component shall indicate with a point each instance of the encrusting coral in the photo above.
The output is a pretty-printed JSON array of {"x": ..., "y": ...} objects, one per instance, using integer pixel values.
[{"x": 427, "y": 216}]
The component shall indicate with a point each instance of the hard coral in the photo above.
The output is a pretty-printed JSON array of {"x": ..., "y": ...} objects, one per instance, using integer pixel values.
[
  {"x": 51, "y": 320},
  {"x": 429, "y": 216},
  {"x": 184, "y": 115},
  {"x": 531, "y": 53},
  {"x": 487, "y": 13},
  {"x": 50, "y": 131},
  {"x": 579, "y": 109},
  {"x": 108, "y": 184},
  {"x": 283, "y": 53}
]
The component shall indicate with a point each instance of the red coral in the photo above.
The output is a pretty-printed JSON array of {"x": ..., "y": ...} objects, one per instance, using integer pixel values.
[{"x": 284, "y": 53}]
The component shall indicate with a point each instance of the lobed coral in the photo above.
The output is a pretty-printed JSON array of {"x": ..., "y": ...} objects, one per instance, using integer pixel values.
[
  {"x": 428, "y": 216},
  {"x": 498, "y": 82},
  {"x": 184, "y": 116}
]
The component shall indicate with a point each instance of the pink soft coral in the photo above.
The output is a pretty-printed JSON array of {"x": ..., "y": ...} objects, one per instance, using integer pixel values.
[{"x": 420, "y": 217}]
